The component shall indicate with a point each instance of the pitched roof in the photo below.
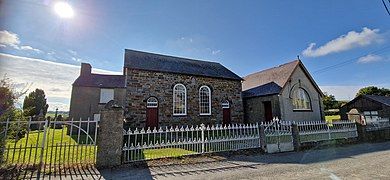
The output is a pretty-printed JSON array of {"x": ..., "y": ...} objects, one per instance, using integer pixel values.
[
  {"x": 263, "y": 90},
  {"x": 163, "y": 63},
  {"x": 279, "y": 75},
  {"x": 381, "y": 99},
  {"x": 267, "y": 80},
  {"x": 101, "y": 80}
]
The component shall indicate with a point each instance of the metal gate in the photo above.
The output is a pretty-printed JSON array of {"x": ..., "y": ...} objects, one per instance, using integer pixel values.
[
  {"x": 278, "y": 136},
  {"x": 45, "y": 146}
]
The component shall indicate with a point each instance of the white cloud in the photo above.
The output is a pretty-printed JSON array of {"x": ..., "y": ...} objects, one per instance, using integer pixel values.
[
  {"x": 345, "y": 42},
  {"x": 30, "y": 49},
  {"x": 9, "y": 39},
  {"x": 215, "y": 52},
  {"x": 369, "y": 59},
  {"x": 54, "y": 78}
]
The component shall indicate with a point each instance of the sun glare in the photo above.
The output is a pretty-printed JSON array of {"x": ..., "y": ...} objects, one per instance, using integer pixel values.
[{"x": 63, "y": 9}]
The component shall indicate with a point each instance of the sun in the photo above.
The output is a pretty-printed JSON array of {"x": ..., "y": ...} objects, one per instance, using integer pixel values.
[{"x": 63, "y": 9}]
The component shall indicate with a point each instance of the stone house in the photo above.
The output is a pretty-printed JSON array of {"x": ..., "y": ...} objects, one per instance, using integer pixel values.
[
  {"x": 369, "y": 107},
  {"x": 287, "y": 92},
  {"x": 90, "y": 92},
  {"x": 165, "y": 90}
]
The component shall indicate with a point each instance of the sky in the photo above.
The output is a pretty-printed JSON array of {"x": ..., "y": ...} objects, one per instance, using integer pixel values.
[{"x": 345, "y": 45}]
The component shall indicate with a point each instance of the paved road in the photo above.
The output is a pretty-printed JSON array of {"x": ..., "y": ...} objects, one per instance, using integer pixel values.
[{"x": 361, "y": 161}]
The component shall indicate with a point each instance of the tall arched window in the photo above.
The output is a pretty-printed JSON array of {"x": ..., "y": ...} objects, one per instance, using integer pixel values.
[
  {"x": 301, "y": 99},
  {"x": 204, "y": 100},
  {"x": 179, "y": 100}
]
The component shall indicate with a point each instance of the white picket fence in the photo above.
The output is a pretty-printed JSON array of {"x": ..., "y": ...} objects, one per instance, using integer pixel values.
[
  {"x": 188, "y": 140},
  {"x": 315, "y": 131},
  {"x": 145, "y": 144}
]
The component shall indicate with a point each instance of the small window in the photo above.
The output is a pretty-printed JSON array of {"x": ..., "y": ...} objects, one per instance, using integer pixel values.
[
  {"x": 301, "y": 99},
  {"x": 96, "y": 117},
  {"x": 205, "y": 100},
  {"x": 371, "y": 116},
  {"x": 152, "y": 102},
  {"x": 179, "y": 100},
  {"x": 225, "y": 105},
  {"x": 106, "y": 95}
]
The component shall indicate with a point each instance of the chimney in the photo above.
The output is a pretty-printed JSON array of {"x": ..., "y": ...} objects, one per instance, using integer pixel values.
[{"x": 85, "y": 69}]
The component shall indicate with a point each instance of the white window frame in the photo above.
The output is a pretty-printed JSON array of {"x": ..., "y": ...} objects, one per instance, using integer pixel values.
[
  {"x": 295, "y": 95},
  {"x": 371, "y": 116},
  {"x": 152, "y": 102},
  {"x": 174, "y": 100},
  {"x": 209, "y": 101},
  {"x": 106, "y": 95},
  {"x": 226, "y": 105}
]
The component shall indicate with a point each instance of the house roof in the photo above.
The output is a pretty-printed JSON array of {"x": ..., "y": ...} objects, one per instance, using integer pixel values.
[
  {"x": 381, "y": 99},
  {"x": 101, "y": 80},
  {"x": 163, "y": 63},
  {"x": 269, "y": 79},
  {"x": 263, "y": 90}
]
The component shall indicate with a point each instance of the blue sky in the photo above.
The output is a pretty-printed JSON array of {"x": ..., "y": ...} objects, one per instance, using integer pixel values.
[{"x": 245, "y": 36}]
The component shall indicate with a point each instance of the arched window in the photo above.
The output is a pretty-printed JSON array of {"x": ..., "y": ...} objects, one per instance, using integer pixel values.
[
  {"x": 152, "y": 102},
  {"x": 301, "y": 99},
  {"x": 179, "y": 100},
  {"x": 204, "y": 100}
]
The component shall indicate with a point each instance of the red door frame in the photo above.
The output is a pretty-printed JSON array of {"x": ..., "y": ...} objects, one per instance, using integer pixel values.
[
  {"x": 152, "y": 113},
  {"x": 226, "y": 113}
]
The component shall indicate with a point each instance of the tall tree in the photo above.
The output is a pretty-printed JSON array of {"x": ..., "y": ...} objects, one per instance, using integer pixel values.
[
  {"x": 330, "y": 102},
  {"x": 34, "y": 103},
  {"x": 372, "y": 90}
]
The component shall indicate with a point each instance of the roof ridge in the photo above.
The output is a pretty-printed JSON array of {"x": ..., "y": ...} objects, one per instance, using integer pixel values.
[
  {"x": 271, "y": 68},
  {"x": 172, "y": 56}
]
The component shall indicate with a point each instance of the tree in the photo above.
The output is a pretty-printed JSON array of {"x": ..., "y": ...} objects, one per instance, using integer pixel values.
[
  {"x": 34, "y": 103},
  {"x": 330, "y": 102},
  {"x": 8, "y": 98},
  {"x": 372, "y": 90}
]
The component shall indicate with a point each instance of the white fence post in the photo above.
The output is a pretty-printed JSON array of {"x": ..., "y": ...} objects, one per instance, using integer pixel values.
[{"x": 202, "y": 127}]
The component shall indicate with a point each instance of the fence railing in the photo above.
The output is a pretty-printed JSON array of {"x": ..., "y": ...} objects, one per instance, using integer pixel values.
[
  {"x": 315, "y": 131},
  {"x": 179, "y": 141},
  {"x": 379, "y": 124},
  {"x": 47, "y": 144}
]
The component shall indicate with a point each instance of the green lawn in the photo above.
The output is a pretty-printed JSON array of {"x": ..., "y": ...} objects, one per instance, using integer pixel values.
[
  {"x": 331, "y": 118},
  {"x": 59, "y": 148},
  {"x": 166, "y": 152}
]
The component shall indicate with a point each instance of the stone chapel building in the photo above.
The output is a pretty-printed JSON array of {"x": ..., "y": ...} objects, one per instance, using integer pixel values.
[{"x": 159, "y": 90}]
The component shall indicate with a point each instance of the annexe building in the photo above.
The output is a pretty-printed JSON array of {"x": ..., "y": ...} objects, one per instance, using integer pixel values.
[
  {"x": 90, "y": 92},
  {"x": 164, "y": 90},
  {"x": 287, "y": 92},
  {"x": 367, "y": 108}
]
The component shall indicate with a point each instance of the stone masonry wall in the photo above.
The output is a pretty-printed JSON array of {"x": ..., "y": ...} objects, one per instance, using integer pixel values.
[
  {"x": 144, "y": 84},
  {"x": 254, "y": 108}
]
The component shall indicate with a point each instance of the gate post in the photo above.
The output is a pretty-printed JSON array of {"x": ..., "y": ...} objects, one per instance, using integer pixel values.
[
  {"x": 262, "y": 137},
  {"x": 295, "y": 135},
  {"x": 110, "y": 136}
]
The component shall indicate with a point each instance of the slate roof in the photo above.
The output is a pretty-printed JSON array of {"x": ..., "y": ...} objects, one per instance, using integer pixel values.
[
  {"x": 273, "y": 80},
  {"x": 101, "y": 80},
  {"x": 263, "y": 90},
  {"x": 279, "y": 75},
  {"x": 381, "y": 99},
  {"x": 163, "y": 63}
]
